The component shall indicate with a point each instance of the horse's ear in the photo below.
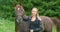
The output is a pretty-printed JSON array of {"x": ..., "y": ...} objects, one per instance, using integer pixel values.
[{"x": 14, "y": 4}]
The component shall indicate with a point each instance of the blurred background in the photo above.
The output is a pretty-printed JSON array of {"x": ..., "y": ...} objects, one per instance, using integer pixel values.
[{"x": 49, "y": 8}]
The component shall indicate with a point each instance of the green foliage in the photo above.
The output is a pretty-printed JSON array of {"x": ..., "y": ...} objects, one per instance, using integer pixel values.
[
  {"x": 49, "y": 8},
  {"x": 7, "y": 25}
]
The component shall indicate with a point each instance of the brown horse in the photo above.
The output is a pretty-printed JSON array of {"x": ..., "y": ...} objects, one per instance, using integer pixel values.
[{"x": 22, "y": 26}]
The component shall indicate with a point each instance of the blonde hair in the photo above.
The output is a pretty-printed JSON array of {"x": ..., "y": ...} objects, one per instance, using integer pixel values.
[{"x": 37, "y": 13}]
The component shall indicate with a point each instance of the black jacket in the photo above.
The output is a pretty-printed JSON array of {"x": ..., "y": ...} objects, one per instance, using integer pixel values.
[{"x": 36, "y": 25}]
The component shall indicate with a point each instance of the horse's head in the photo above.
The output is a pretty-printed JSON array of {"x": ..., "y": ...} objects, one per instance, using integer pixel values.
[{"x": 19, "y": 11}]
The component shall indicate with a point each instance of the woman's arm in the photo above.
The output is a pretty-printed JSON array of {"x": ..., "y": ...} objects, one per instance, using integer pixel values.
[{"x": 25, "y": 18}]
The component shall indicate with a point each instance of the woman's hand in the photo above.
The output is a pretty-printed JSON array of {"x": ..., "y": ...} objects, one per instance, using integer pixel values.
[{"x": 31, "y": 30}]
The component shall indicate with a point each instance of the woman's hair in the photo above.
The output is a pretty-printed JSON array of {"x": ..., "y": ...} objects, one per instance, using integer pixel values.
[{"x": 37, "y": 13}]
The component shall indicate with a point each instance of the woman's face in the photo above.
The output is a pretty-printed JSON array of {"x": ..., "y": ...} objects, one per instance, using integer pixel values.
[{"x": 34, "y": 12}]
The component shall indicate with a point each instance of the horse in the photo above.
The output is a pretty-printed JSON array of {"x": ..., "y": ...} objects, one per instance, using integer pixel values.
[
  {"x": 47, "y": 22},
  {"x": 20, "y": 25}
]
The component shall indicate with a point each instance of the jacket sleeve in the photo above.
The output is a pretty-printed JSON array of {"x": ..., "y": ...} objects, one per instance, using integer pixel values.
[
  {"x": 25, "y": 18},
  {"x": 39, "y": 28}
]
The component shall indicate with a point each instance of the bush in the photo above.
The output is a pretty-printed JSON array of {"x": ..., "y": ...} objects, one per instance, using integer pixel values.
[{"x": 49, "y": 8}]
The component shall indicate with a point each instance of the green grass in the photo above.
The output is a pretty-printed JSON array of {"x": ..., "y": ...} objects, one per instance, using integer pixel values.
[
  {"x": 6, "y": 26},
  {"x": 54, "y": 28},
  {"x": 9, "y": 26}
]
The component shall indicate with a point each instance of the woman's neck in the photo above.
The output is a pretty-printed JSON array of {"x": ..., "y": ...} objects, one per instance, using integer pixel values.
[{"x": 33, "y": 18}]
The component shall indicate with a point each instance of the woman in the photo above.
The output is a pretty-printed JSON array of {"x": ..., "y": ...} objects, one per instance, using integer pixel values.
[{"x": 35, "y": 25}]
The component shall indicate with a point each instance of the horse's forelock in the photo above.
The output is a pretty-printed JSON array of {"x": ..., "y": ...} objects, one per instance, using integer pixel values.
[{"x": 19, "y": 6}]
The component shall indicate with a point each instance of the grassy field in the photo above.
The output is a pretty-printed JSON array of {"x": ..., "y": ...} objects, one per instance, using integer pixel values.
[
  {"x": 54, "y": 29},
  {"x": 6, "y": 26},
  {"x": 9, "y": 26}
]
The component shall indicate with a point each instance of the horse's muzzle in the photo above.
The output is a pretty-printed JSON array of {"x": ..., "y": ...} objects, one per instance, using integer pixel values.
[{"x": 19, "y": 20}]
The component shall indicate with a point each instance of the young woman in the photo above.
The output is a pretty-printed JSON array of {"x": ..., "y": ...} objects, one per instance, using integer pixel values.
[
  {"x": 34, "y": 21},
  {"x": 35, "y": 24}
]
